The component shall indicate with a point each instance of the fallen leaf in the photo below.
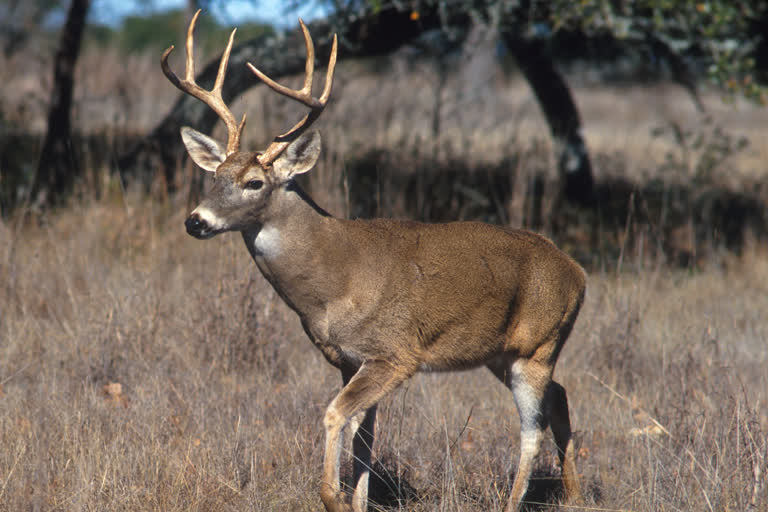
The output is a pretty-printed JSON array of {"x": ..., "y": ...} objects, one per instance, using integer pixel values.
[
  {"x": 114, "y": 393},
  {"x": 650, "y": 431}
]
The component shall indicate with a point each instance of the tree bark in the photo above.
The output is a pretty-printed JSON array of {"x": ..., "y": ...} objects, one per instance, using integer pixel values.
[
  {"x": 556, "y": 102},
  {"x": 57, "y": 167}
]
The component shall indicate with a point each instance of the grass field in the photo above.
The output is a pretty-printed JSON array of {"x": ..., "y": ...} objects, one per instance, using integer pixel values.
[
  {"x": 145, "y": 370},
  {"x": 141, "y": 369}
]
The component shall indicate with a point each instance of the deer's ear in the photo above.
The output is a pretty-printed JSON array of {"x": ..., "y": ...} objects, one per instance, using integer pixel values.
[
  {"x": 299, "y": 157},
  {"x": 205, "y": 151}
]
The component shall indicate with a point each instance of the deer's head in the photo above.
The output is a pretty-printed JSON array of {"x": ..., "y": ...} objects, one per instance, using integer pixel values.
[{"x": 245, "y": 183}]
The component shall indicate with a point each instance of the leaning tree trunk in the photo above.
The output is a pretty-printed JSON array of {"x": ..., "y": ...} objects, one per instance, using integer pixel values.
[
  {"x": 57, "y": 167},
  {"x": 555, "y": 100},
  {"x": 162, "y": 150}
]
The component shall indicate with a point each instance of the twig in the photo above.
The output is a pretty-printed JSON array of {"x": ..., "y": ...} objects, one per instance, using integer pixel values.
[
  {"x": 461, "y": 432},
  {"x": 630, "y": 212},
  {"x": 13, "y": 468},
  {"x": 14, "y": 374},
  {"x": 629, "y": 402},
  {"x": 757, "y": 460},
  {"x": 579, "y": 507}
]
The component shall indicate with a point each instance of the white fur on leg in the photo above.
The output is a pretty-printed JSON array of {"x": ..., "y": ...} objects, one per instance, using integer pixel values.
[
  {"x": 362, "y": 456},
  {"x": 355, "y": 422},
  {"x": 360, "y": 498},
  {"x": 334, "y": 432},
  {"x": 527, "y": 400},
  {"x": 530, "y": 440}
]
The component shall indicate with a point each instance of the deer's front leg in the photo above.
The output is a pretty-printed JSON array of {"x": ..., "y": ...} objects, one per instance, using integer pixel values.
[
  {"x": 374, "y": 380},
  {"x": 361, "y": 427},
  {"x": 362, "y": 444}
]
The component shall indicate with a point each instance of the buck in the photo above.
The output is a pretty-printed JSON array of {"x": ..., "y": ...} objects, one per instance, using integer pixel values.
[{"x": 385, "y": 299}]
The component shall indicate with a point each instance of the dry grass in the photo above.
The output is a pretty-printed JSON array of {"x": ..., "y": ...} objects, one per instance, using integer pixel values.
[{"x": 145, "y": 370}]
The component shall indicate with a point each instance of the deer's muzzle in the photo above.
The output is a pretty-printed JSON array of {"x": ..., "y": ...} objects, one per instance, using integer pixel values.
[{"x": 197, "y": 227}]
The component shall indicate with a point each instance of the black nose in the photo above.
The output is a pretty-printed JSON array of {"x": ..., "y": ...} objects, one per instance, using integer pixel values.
[{"x": 195, "y": 225}]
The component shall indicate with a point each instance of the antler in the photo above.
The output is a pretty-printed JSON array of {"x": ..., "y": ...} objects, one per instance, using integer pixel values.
[
  {"x": 303, "y": 95},
  {"x": 213, "y": 97}
]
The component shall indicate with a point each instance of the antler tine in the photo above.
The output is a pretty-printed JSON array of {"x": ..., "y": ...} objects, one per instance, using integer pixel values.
[
  {"x": 190, "y": 47},
  {"x": 303, "y": 95},
  {"x": 213, "y": 97}
]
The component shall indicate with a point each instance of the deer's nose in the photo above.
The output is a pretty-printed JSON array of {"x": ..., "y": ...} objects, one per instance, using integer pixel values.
[{"x": 195, "y": 225}]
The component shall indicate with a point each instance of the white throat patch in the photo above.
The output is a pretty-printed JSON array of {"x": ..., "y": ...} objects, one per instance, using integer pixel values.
[{"x": 268, "y": 242}]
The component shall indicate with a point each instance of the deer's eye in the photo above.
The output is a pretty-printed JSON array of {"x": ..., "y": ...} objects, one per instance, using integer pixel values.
[{"x": 254, "y": 185}]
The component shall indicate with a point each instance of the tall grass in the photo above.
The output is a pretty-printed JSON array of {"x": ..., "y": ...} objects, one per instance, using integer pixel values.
[{"x": 145, "y": 370}]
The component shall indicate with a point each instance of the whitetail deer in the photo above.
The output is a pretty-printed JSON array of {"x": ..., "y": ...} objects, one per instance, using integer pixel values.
[{"x": 384, "y": 299}]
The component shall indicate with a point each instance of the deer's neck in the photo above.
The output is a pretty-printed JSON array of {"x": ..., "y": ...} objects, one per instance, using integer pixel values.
[{"x": 296, "y": 250}]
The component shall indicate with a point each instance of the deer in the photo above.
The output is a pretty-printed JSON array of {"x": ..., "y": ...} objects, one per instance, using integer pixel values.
[{"x": 384, "y": 299}]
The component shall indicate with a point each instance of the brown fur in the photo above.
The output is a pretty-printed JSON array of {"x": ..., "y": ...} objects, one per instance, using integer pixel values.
[{"x": 384, "y": 299}]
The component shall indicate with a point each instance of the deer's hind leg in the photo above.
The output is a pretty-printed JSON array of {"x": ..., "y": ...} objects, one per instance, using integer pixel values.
[
  {"x": 528, "y": 381},
  {"x": 560, "y": 422},
  {"x": 541, "y": 403}
]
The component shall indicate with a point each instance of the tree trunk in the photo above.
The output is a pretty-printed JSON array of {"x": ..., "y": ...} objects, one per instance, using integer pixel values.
[
  {"x": 556, "y": 102},
  {"x": 57, "y": 167}
]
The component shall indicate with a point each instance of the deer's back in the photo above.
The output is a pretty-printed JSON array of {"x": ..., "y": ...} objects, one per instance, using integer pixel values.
[{"x": 438, "y": 287}]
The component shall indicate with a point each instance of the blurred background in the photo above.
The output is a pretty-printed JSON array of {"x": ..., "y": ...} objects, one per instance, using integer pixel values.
[
  {"x": 141, "y": 369},
  {"x": 546, "y": 115}
]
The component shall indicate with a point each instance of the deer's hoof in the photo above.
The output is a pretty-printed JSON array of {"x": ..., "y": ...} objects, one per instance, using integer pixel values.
[{"x": 334, "y": 501}]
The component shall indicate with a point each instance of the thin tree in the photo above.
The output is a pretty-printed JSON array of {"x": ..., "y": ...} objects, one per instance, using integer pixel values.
[{"x": 57, "y": 167}]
